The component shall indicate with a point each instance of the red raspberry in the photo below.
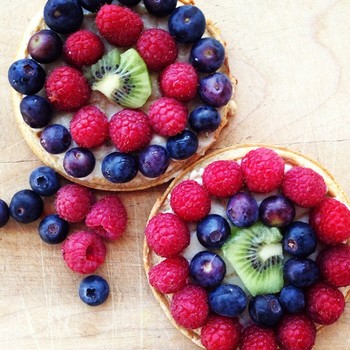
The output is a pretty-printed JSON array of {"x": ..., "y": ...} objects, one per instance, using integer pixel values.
[
  {"x": 324, "y": 303},
  {"x": 89, "y": 127},
  {"x": 73, "y": 202},
  {"x": 221, "y": 333},
  {"x": 263, "y": 170},
  {"x": 304, "y": 186},
  {"x": 84, "y": 252},
  {"x": 331, "y": 221},
  {"x": 179, "y": 81},
  {"x": 119, "y": 25},
  {"x": 223, "y": 178},
  {"x": 108, "y": 217},
  {"x": 83, "y": 48},
  {"x": 257, "y": 338},
  {"x": 167, "y": 235},
  {"x": 190, "y": 201},
  {"x": 168, "y": 116},
  {"x": 170, "y": 275},
  {"x": 157, "y": 47},
  {"x": 334, "y": 265},
  {"x": 189, "y": 307},
  {"x": 130, "y": 130},
  {"x": 67, "y": 89}
]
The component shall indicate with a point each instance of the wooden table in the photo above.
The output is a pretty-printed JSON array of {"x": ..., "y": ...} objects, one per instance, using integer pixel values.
[{"x": 292, "y": 61}]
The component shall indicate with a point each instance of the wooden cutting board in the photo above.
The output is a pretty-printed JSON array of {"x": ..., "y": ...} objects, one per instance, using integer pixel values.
[{"x": 291, "y": 59}]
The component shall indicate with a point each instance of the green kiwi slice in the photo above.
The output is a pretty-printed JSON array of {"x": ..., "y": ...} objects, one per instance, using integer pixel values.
[{"x": 256, "y": 255}]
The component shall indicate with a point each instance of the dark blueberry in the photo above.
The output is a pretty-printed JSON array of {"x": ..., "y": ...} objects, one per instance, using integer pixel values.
[
  {"x": 242, "y": 209},
  {"x": 160, "y": 8},
  {"x": 207, "y": 55},
  {"x": 55, "y": 139},
  {"x": 187, "y": 24},
  {"x": 26, "y": 76},
  {"x": 204, "y": 119},
  {"x": 300, "y": 272},
  {"x": 153, "y": 161},
  {"x": 26, "y": 206},
  {"x": 36, "y": 111},
  {"x": 53, "y": 230},
  {"x": 292, "y": 299},
  {"x": 93, "y": 290},
  {"x": 265, "y": 310},
  {"x": 129, "y": 2},
  {"x": 228, "y": 300},
  {"x": 119, "y": 167},
  {"x": 183, "y": 145},
  {"x": 79, "y": 162},
  {"x": 299, "y": 239},
  {"x": 63, "y": 16},
  {"x": 216, "y": 89},
  {"x": 94, "y": 5},
  {"x": 4, "y": 213},
  {"x": 44, "y": 181}
]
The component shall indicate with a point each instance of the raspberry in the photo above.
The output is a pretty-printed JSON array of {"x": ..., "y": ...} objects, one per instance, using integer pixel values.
[
  {"x": 257, "y": 338},
  {"x": 324, "y": 303},
  {"x": 190, "y": 201},
  {"x": 89, "y": 127},
  {"x": 179, "y": 81},
  {"x": 304, "y": 186},
  {"x": 167, "y": 235},
  {"x": 157, "y": 47},
  {"x": 221, "y": 333},
  {"x": 170, "y": 275},
  {"x": 334, "y": 265},
  {"x": 83, "y": 48},
  {"x": 119, "y": 25},
  {"x": 130, "y": 130},
  {"x": 67, "y": 89},
  {"x": 331, "y": 221},
  {"x": 223, "y": 178},
  {"x": 263, "y": 170},
  {"x": 189, "y": 307},
  {"x": 84, "y": 251},
  {"x": 168, "y": 116},
  {"x": 73, "y": 202},
  {"x": 108, "y": 217}
]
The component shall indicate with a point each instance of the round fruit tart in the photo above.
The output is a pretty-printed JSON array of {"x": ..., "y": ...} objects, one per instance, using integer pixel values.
[
  {"x": 121, "y": 95},
  {"x": 248, "y": 247}
]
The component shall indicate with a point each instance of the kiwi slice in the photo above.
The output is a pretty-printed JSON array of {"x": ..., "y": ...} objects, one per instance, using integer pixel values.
[
  {"x": 122, "y": 78},
  {"x": 256, "y": 255}
]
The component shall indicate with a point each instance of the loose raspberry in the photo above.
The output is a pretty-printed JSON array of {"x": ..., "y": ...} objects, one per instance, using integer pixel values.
[
  {"x": 324, "y": 303},
  {"x": 84, "y": 252},
  {"x": 190, "y": 201},
  {"x": 119, "y": 25},
  {"x": 168, "y": 116},
  {"x": 257, "y": 338},
  {"x": 67, "y": 89},
  {"x": 263, "y": 170},
  {"x": 130, "y": 130},
  {"x": 157, "y": 47},
  {"x": 170, "y": 275},
  {"x": 221, "y": 333},
  {"x": 73, "y": 202},
  {"x": 108, "y": 217},
  {"x": 83, "y": 48},
  {"x": 167, "y": 235},
  {"x": 296, "y": 332},
  {"x": 179, "y": 81},
  {"x": 89, "y": 127},
  {"x": 331, "y": 221},
  {"x": 223, "y": 178},
  {"x": 189, "y": 307}
]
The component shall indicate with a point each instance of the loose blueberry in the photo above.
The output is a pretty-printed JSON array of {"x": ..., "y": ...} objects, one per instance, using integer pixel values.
[
  {"x": 119, "y": 167},
  {"x": 44, "y": 181},
  {"x": 55, "y": 139},
  {"x": 292, "y": 299},
  {"x": 204, "y": 119},
  {"x": 265, "y": 310},
  {"x": 94, "y": 5},
  {"x": 53, "y": 230},
  {"x": 4, "y": 213},
  {"x": 93, "y": 290},
  {"x": 36, "y": 111},
  {"x": 160, "y": 8},
  {"x": 79, "y": 162},
  {"x": 129, "y": 3},
  {"x": 153, "y": 161},
  {"x": 301, "y": 272},
  {"x": 183, "y": 145}
]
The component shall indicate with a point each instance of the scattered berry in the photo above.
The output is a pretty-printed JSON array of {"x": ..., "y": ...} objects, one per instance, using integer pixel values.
[
  {"x": 160, "y": 8},
  {"x": 93, "y": 290},
  {"x": 79, "y": 162},
  {"x": 129, "y": 2},
  {"x": 93, "y": 5},
  {"x": 53, "y": 230},
  {"x": 4, "y": 213},
  {"x": 36, "y": 111},
  {"x": 292, "y": 299},
  {"x": 204, "y": 119},
  {"x": 55, "y": 139},
  {"x": 258, "y": 338},
  {"x": 153, "y": 161},
  {"x": 44, "y": 181},
  {"x": 300, "y": 272},
  {"x": 265, "y": 310},
  {"x": 183, "y": 145}
]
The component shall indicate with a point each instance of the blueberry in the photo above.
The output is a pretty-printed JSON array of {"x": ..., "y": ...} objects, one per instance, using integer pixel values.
[
  {"x": 300, "y": 272},
  {"x": 228, "y": 300},
  {"x": 204, "y": 119},
  {"x": 26, "y": 76},
  {"x": 129, "y": 2},
  {"x": 119, "y": 167},
  {"x": 94, "y": 5},
  {"x": 26, "y": 206},
  {"x": 93, "y": 290},
  {"x": 79, "y": 162},
  {"x": 265, "y": 310},
  {"x": 55, "y": 139},
  {"x": 292, "y": 299},
  {"x": 53, "y": 230},
  {"x": 4, "y": 213},
  {"x": 44, "y": 181},
  {"x": 183, "y": 145},
  {"x": 215, "y": 89},
  {"x": 187, "y": 24},
  {"x": 153, "y": 161},
  {"x": 36, "y": 111},
  {"x": 160, "y": 8}
]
